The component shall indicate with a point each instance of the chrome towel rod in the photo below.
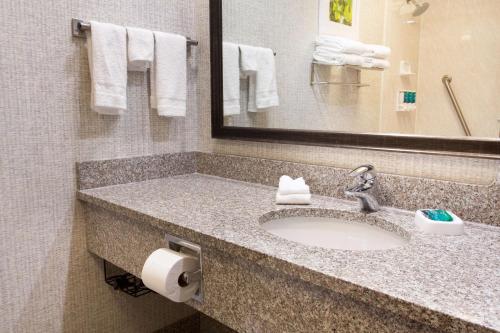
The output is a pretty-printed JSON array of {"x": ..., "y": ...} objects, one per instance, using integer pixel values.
[
  {"x": 447, "y": 83},
  {"x": 78, "y": 28}
]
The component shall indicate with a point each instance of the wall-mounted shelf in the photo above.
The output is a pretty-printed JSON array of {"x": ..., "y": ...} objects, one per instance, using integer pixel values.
[{"x": 358, "y": 70}]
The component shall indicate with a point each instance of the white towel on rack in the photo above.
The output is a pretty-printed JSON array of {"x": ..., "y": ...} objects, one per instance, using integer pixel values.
[
  {"x": 375, "y": 63},
  {"x": 168, "y": 75},
  {"x": 326, "y": 56},
  {"x": 260, "y": 62},
  {"x": 377, "y": 51},
  {"x": 141, "y": 49},
  {"x": 341, "y": 44},
  {"x": 231, "y": 78},
  {"x": 107, "y": 52}
]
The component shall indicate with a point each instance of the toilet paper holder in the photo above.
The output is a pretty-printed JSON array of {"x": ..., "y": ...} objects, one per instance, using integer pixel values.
[{"x": 180, "y": 245}]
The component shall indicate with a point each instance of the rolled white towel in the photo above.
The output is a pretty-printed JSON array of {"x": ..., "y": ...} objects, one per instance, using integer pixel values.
[
  {"x": 288, "y": 186},
  {"x": 341, "y": 44},
  {"x": 325, "y": 56},
  {"x": 377, "y": 51},
  {"x": 375, "y": 63},
  {"x": 293, "y": 199}
]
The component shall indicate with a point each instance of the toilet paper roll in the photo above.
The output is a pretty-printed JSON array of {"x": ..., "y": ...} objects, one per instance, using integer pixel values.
[{"x": 162, "y": 270}]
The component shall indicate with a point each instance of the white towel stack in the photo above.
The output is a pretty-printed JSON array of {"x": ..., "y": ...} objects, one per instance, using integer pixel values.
[
  {"x": 333, "y": 50},
  {"x": 293, "y": 192}
]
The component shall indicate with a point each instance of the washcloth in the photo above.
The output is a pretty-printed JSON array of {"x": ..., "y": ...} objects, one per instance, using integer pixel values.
[
  {"x": 377, "y": 51},
  {"x": 341, "y": 44},
  {"x": 168, "y": 75},
  {"x": 260, "y": 62},
  {"x": 375, "y": 63},
  {"x": 326, "y": 56},
  {"x": 231, "y": 78},
  {"x": 293, "y": 199},
  {"x": 288, "y": 186},
  {"x": 141, "y": 49},
  {"x": 107, "y": 52}
]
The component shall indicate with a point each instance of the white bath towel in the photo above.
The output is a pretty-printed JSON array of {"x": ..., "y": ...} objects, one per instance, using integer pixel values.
[
  {"x": 377, "y": 51},
  {"x": 107, "y": 52},
  {"x": 288, "y": 186},
  {"x": 341, "y": 44},
  {"x": 231, "y": 78},
  {"x": 293, "y": 199},
  {"x": 326, "y": 56},
  {"x": 141, "y": 49},
  {"x": 375, "y": 63},
  {"x": 168, "y": 75},
  {"x": 260, "y": 62}
]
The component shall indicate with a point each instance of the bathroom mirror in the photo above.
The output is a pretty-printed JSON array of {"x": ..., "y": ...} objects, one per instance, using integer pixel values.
[{"x": 434, "y": 92}]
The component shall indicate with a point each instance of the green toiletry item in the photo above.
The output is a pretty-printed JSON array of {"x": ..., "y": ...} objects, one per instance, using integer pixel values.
[{"x": 439, "y": 215}]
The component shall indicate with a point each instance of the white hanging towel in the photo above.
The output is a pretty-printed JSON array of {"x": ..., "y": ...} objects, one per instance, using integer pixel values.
[
  {"x": 141, "y": 49},
  {"x": 231, "y": 78},
  {"x": 168, "y": 75},
  {"x": 260, "y": 62},
  {"x": 107, "y": 52}
]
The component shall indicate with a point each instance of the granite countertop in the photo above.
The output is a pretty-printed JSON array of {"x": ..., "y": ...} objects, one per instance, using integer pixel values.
[{"x": 447, "y": 281}]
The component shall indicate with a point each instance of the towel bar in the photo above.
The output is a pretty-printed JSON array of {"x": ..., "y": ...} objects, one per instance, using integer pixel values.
[{"x": 78, "y": 28}]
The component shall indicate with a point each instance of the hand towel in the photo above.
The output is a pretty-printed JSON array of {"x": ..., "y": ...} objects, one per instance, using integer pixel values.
[
  {"x": 231, "y": 78},
  {"x": 375, "y": 63},
  {"x": 288, "y": 186},
  {"x": 325, "y": 56},
  {"x": 377, "y": 51},
  {"x": 341, "y": 44},
  {"x": 141, "y": 49},
  {"x": 293, "y": 199},
  {"x": 168, "y": 75},
  {"x": 260, "y": 62},
  {"x": 107, "y": 52}
]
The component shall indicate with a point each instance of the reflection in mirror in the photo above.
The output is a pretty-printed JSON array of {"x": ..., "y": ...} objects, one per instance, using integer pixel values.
[{"x": 363, "y": 66}]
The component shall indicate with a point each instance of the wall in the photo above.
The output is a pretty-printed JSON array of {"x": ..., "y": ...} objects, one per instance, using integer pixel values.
[
  {"x": 50, "y": 283},
  {"x": 470, "y": 170},
  {"x": 459, "y": 38}
]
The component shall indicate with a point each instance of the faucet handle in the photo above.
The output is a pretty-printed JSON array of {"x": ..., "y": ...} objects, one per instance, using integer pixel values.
[{"x": 365, "y": 178}]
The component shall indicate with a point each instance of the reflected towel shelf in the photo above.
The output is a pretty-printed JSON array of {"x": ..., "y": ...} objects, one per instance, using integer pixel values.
[{"x": 358, "y": 69}]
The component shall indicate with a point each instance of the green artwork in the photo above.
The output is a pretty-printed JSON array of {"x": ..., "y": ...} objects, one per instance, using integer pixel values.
[{"x": 341, "y": 11}]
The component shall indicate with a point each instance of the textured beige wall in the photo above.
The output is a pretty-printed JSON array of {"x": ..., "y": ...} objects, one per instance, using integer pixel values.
[
  {"x": 470, "y": 170},
  {"x": 460, "y": 38},
  {"x": 50, "y": 283}
]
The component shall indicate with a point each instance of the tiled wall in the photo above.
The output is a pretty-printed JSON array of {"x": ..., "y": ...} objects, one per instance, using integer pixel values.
[
  {"x": 470, "y": 170},
  {"x": 50, "y": 283}
]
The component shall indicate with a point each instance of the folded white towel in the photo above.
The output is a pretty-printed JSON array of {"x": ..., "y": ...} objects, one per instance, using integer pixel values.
[
  {"x": 107, "y": 52},
  {"x": 326, "y": 56},
  {"x": 141, "y": 49},
  {"x": 260, "y": 62},
  {"x": 375, "y": 63},
  {"x": 168, "y": 75},
  {"x": 377, "y": 51},
  {"x": 231, "y": 78},
  {"x": 287, "y": 186},
  {"x": 341, "y": 44},
  {"x": 293, "y": 199}
]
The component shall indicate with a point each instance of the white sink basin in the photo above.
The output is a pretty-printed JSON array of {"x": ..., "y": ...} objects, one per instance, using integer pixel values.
[{"x": 334, "y": 233}]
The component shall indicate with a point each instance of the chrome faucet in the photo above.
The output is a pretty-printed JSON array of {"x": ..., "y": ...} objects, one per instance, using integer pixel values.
[{"x": 365, "y": 177}]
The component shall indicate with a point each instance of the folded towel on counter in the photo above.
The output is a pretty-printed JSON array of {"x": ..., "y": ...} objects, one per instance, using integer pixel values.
[
  {"x": 260, "y": 62},
  {"x": 375, "y": 63},
  {"x": 231, "y": 78},
  {"x": 377, "y": 51},
  {"x": 326, "y": 56},
  {"x": 107, "y": 52},
  {"x": 341, "y": 44},
  {"x": 287, "y": 185},
  {"x": 293, "y": 199},
  {"x": 168, "y": 75},
  {"x": 141, "y": 49}
]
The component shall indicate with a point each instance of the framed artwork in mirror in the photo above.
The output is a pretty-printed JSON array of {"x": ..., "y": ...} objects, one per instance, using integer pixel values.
[{"x": 339, "y": 18}]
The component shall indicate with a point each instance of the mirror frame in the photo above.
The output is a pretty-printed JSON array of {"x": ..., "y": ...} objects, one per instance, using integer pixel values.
[{"x": 486, "y": 148}]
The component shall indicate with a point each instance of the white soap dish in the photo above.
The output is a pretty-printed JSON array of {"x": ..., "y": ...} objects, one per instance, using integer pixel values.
[{"x": 428, "y": 226}]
